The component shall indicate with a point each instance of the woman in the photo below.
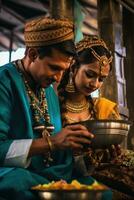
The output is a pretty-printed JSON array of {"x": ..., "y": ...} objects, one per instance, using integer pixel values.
[
  {"x": 85, "y": 76},
  {"x": 88, "y": 73}
]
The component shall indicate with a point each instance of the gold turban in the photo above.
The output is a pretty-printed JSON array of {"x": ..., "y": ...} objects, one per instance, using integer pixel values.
[{"x": 46, "y": 31}]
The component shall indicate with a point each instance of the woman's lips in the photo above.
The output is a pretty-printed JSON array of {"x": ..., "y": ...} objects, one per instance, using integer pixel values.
[{"x": 89, "y": 90}]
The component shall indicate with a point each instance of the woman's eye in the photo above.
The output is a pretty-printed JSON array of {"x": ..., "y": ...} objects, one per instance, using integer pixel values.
[
  {"x": 101, "y": 79},
  {"x": 89, "y": 75}
]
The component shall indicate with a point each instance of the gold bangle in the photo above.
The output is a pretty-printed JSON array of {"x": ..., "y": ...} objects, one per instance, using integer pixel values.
[{"x": 51, "y": 147}]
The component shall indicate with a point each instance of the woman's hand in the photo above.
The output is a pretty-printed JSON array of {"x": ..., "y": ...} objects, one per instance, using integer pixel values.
[
  {"x": 73, "y": 137},
  {"x": 107, "y": 155},
  {"x": 114, "y": 151}
]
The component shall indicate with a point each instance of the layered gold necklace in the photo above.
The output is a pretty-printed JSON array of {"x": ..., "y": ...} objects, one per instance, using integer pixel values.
[
  {"x": 41, "y": 118},
  {"x": 73, "y": 120},
  {"x": 77, "y": 107},
  {"x": 39, "y": 108}
]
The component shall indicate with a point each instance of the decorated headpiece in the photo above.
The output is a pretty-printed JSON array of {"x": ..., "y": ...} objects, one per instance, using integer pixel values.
[
  {"x": 89, "y": 42},
  {"x": 46, "y": 31}
]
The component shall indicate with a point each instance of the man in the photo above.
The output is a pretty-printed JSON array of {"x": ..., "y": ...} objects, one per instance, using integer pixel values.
[{"x": 30, "y": 151}]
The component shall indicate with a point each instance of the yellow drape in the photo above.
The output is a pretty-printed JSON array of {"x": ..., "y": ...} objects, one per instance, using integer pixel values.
[{"x": 106, "y": 109}]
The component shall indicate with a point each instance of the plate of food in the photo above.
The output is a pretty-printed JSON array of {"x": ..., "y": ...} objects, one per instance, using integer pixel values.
[{"x": 70, "y": 191}]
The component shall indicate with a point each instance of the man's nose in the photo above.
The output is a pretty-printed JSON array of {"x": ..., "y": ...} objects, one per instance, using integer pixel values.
[{"x": 58, "y": 76}]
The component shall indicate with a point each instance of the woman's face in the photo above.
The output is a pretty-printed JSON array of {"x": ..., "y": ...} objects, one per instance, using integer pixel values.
[{"x": 90, "y": 77}]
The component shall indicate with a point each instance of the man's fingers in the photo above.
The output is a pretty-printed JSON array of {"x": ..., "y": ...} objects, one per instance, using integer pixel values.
[
  {"x": 82, "y": 133},
  {"x": 76, "y": 127},
  {"x": 81, "y": 140},
  {"x": 75, "y": 145}
]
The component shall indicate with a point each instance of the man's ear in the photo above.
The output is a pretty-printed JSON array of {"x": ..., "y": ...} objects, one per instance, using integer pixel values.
[{"x": 33, "y": 54}]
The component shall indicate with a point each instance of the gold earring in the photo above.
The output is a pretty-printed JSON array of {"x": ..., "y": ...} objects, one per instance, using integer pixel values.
[{"x": 70, "y": 85}]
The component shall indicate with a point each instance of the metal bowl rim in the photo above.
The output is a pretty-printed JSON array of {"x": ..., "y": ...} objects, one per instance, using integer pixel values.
[{"x": 108, "y": 121}]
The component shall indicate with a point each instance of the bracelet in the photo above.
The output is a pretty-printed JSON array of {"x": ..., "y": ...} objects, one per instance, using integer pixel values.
[{"x": 51, "y": 147}]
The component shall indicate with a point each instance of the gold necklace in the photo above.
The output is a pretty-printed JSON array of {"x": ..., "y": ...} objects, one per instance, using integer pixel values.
[
  {"x": 39, "y": 108},
  {"x": 72, "y": 120},
  {"x": 38, "y": 104},
  {"x": 77, "y": 107}
]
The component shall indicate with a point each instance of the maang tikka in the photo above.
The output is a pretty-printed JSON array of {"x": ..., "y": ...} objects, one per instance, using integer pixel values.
[{"x": 70, "y": 87}]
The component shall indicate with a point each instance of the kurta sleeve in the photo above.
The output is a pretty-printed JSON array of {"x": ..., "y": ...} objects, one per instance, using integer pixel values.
[
  {"x": 5, "y": 118},
  {"x": 13, "y": 151},
  {"x": 17, "y": 154}
]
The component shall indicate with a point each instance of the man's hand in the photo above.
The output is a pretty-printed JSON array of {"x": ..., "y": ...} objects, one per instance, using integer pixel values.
[{"x": 73, "y": 137}]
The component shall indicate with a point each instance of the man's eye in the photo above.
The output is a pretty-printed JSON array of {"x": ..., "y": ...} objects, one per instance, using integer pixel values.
[{"x": 54, "y": 68}]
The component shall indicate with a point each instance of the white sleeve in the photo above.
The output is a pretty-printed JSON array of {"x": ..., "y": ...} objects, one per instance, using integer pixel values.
[{"x": 17, "y": 155}]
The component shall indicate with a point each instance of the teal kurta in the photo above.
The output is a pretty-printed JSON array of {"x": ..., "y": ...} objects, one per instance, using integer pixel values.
[{"x": 16, "y": 123}]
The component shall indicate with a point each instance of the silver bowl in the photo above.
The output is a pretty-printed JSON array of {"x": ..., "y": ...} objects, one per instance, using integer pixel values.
[
  {"x": 71, "y": 194},
  {"x": 107, "y": 132}
]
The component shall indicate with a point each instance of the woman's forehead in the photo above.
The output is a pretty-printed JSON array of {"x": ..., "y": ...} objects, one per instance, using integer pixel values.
[{"x": 96, "y": 68}]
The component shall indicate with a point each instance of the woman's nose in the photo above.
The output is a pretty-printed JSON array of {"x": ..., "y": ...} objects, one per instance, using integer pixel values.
[{"x": 94, "y": 83}]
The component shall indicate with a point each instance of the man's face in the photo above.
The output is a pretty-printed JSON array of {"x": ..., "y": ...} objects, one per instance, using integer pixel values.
[{"x": 50, "y": 68}]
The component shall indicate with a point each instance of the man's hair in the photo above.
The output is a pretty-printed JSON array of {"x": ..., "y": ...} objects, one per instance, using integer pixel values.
[{"x": 66, "y": 47}]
